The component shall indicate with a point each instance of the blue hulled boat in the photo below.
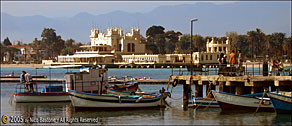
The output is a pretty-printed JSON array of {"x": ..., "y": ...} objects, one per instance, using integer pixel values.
[{"x": 282, "y": 102}]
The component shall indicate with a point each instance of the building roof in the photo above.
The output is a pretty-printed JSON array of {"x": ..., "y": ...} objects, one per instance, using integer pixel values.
[
  {"x": 19, "y": 46},
  {"x": 86, "y": 56}
]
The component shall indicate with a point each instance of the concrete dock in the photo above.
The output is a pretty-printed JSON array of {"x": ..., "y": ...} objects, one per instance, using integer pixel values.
[{"x": 236, "y": 84}]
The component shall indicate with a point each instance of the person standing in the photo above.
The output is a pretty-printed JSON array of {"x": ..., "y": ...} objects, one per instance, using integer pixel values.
[
  {"x": 220, "y": 59},
  {"x": 232, "y": 61},
  {"x": 22, "y": 79},
  {"x": 240, "y": 60},
  {"x": 28, "y": 81}
]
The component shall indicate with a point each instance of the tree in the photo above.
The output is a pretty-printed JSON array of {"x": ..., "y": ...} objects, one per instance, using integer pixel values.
[
  {"x": 257, "y": 41},
  {"x": 11, "y": 51},
  {"x": 241, "y": 42},
  {"x": 152, "y": 41},
  {"x": 52, "y": 43},
  {"x": 287, "y": 46},
  {"x": 199, "y": 44},
  {"x": 71, "y": 47},
  {"x": 232, "y": 36},
  {"x": 38, "y": 46},
  {"x": 184, "y": 44},
  {"x": 7, "y": 42},
  {"x": 154, "y": 30},
  {"x": 172, "y": 39},
  {"x": 276, "y": 41},
  {"x": 2, "y": 52},
  {"x": 159, "y": 41}
]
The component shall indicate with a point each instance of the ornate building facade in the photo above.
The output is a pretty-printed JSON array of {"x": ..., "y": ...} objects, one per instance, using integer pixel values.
[{"x": 104, "y": 47}]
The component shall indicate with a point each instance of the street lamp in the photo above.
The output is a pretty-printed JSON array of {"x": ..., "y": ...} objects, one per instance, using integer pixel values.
[
  {"x": 187, "y": 88},
  {"x": 191, "y": 46}
]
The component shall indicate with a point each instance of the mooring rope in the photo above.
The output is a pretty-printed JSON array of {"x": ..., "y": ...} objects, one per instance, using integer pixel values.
[{"x": 10, "y": 98}]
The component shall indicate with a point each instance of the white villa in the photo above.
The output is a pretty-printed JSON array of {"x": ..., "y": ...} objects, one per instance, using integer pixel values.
[{"x": 104, "y": 47}]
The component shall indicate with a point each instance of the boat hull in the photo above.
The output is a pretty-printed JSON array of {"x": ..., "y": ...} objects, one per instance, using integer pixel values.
[
  {"x": 231, "y": 102},
  {"x": 81, "y": 99},
  {"x": 281, "y": 103},
  {"x": 201, "y": 102},
  {"x": 40, "y": 97}
]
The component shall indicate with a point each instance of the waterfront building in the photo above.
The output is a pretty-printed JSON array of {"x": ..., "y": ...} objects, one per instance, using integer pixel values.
[
  {"x": 214, "y": 49},
  {"x": 104, "y": 47},
  {"x": 144, "y": 59},
  {"x": 24, "y": 54}
]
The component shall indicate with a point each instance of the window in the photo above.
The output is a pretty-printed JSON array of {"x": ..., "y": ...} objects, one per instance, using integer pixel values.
[
  {"x": 129, "y": 47},
  {"x": 133, "y": 47},
  {"x": 120, "y": 47},
  {"x": 206, "y": 57},
  {"x": 220, "y": 49},
  {"x": 224, "y": 48},
  {"x": 211, "y": 57},
  {"x": 202, "y": 57},
  {"x": 209, "y": 49}
]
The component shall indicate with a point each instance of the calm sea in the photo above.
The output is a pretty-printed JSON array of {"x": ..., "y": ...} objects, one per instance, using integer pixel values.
[{"x": 173, "y": 115}]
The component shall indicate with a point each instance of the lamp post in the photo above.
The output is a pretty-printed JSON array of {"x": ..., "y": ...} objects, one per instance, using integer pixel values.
[
  {"x": 191, "y": 45},
  {"x": 187, "y": 87}
]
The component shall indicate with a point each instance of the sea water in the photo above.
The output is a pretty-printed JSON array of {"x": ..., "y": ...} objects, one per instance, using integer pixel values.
[{"x": 63, "y": 113}]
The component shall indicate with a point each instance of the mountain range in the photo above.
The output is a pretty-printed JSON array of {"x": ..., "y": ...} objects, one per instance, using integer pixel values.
[{"x": 213, "y": 20}]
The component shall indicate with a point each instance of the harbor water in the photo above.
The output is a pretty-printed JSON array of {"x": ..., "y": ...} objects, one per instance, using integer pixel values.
[{"x": 171, "y": 115}]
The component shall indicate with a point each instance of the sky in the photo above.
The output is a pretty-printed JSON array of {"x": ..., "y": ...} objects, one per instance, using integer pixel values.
[
  {"x": 71, "y": 8},
  {"x": 53, "y": 9}
]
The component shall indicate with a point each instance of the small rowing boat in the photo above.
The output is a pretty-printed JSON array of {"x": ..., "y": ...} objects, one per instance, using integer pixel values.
[
  {"x": 123, "y": 89},
  {"x": 246, "y": 102},
  {"x": 282, "y": 102},
  {"x": 88, "y": 100}
]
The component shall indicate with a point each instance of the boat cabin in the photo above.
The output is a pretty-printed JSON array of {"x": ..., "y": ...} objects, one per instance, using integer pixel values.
[{"x": 93, "y": 80}]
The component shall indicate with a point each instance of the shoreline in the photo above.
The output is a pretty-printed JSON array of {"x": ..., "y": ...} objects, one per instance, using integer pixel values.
[
  {"x": 24, "y": 65},
  {"x": 249, "y": 65}
]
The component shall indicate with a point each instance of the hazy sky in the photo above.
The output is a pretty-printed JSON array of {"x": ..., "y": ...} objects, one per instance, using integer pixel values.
[{"x": 71, "y": 8}]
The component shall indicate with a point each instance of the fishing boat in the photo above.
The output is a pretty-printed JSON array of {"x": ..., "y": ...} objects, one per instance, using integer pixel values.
[
  {"x": 246, "y": 102},
  {"x": 282, "y": 102},
  {"x": 47, "y": 94},
  {"x": 85, "y": 100},
  {"x": 43, "y": 92},
  {"x": 85, "y": 93},
  {"x": 127, "y": 88}
]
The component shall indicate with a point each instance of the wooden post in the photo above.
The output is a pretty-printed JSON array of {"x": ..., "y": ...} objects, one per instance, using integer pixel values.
[
  {"x": 239, "y": 89},
  {"x": 199, "y": 90},
  {"x": 221, "y": 86},
  {"x": 185, "y": 96}
]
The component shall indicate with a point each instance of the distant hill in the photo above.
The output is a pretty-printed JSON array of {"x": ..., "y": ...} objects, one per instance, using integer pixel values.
[{"x": 214, "y": 20}]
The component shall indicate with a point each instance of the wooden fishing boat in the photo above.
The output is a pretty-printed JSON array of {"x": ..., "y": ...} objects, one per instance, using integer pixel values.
[
  {"x": 247, "y": 102},
  {"x": 46, "y": 93},
  {"x": 123, "y": 89},
  {"x": 88, "y": 100},
  {"x": 85, "y": 93},
  {"x": 282, "y": 102},
  {"x": 41, "y": 97}
]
